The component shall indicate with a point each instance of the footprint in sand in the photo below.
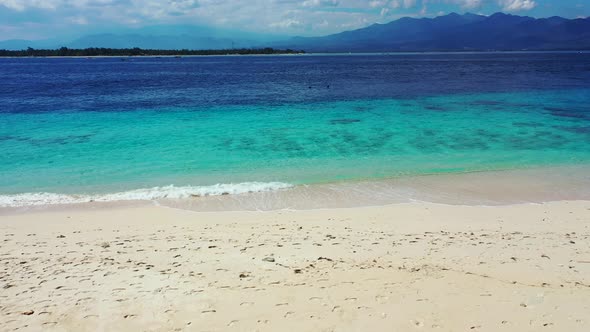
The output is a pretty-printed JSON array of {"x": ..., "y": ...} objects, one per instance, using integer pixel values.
[{"x": 381, "y": 299}]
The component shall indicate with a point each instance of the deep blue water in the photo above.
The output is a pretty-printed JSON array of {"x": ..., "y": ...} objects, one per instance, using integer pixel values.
[
  {"x": 111, "y": 125},
  {"x": 110, "y": 84}
]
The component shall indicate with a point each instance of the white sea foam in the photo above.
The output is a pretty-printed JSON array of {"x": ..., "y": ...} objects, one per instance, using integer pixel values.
[{"x": 147, "y": 194}]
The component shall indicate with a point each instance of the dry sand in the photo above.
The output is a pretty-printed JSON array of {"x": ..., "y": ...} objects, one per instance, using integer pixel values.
[{"x": 406, "y": 267}]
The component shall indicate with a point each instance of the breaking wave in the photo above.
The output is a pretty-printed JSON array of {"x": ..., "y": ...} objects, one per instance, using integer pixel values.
[{"x": 146, "y": 194}]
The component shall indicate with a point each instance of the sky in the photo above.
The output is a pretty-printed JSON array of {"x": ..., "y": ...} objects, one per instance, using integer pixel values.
[{"x": 43, "y": 19}]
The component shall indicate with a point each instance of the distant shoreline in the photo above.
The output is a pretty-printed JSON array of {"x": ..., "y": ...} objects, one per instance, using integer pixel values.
[
  {"x": 136, "y": 52},
  {"x": 19, "y": 54},
  {"x": 146, "y": 56}
]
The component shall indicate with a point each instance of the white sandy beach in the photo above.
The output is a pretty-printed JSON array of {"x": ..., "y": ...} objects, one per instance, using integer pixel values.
[{"x": 406, "y": 267}]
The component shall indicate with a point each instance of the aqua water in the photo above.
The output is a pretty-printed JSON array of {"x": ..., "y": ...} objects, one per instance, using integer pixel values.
[{"x": 110, "y": 130}]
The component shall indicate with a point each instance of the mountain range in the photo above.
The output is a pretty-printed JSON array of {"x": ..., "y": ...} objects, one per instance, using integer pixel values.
[
  {"x": 456, "y": 32},
  {"x": 451, "y": 32}
]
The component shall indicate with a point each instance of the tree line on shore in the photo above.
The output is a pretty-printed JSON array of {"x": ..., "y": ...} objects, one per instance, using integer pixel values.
[{"x": 136, "y": 51}]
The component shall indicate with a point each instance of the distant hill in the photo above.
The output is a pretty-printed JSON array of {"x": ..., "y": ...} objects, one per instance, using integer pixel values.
[
  {"x": 192, "y": 37},
  {"x": 163, "y": 37},
  {"x": 20, "y": 44},
  {"x": 166, "y": 42},
  {"x": 451, "y": 32},
  {"x": 455, "y": 32}
]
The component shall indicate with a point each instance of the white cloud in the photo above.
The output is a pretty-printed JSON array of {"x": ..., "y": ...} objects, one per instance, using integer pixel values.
[
  {"x": 409, "y": 3},
  {"x": 320, "y": 3},
  {"x": 79, "y": 20},
  {"x": 394, "y": 4},
  {"x": 287, "y": 24},
  {"x": 21, "y": 5},
  {"x": 469, "y": 4},
  {"x": 377, "y": 3},
  {"x": 516, "y": 5}
]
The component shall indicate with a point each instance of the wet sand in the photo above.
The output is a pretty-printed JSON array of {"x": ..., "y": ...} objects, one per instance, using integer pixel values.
[
  {"x": 490, "y": 188},
  {"x": 486, "y": 188},
  {"x": 404, "y": 267}
]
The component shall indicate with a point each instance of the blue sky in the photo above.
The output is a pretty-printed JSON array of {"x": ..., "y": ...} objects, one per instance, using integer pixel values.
[{"x": 41, "y": 19}]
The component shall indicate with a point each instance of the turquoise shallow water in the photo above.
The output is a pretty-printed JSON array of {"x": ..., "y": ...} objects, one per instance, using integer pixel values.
[
  {"x": 80, "y": 130},
  {"x": 301, "y": 143}
]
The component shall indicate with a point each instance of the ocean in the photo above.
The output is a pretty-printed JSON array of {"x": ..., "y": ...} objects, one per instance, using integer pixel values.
[{"x": 78, "y": 130}]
